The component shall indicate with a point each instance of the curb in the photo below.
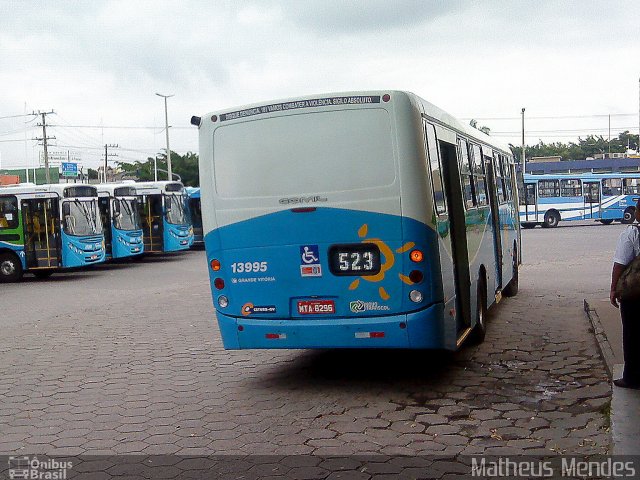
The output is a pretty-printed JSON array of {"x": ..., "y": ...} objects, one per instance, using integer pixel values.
[{"x": 601, "y": 339}]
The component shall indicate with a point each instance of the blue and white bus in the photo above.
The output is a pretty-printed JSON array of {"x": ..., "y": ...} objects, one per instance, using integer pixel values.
[
  {"x": 121, "y": 220},
  {"x": 605, "y": 197},
  {"x": 366, "y": 219},
  {"x": 165, "y": 221},
  {"x": 47, "y": 228},
  {"x": 195, "y": 213}
]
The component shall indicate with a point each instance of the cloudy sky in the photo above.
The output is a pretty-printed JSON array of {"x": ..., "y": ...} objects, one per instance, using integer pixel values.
[{"x": 98, "y": 65}]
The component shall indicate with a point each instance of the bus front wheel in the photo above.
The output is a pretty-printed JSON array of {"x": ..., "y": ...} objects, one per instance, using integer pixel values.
[
  {"x": 551, "y": 219},
  {"x": 629, "y": 215},
  {"x": 10, "y": 268},
  {"x": 607, "y": 221}
]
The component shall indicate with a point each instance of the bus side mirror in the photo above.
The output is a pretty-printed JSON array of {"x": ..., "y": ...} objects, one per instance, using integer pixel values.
[{"x": 66, "y": 209}]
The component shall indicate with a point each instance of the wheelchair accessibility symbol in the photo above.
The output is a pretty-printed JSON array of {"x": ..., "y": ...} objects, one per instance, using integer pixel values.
[
  {"x": 310, "y": 261},
  {"x": 309, "y": 254}
]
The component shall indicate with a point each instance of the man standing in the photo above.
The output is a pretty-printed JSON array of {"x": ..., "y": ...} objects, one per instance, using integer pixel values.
[{"x": 628, "y": 248}]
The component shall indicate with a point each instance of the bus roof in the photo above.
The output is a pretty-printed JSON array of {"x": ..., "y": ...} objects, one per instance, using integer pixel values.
[
  {"x": 582, "y": 176},
  {"x": 157, "y": 187},
  {"x": 355, "y": 99},
  {"x": 30, "y": 188},
  {"x": 193, "y": 192}
]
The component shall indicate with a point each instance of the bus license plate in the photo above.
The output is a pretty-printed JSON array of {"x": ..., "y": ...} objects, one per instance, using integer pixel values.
[{"x": 316, "y": 307}]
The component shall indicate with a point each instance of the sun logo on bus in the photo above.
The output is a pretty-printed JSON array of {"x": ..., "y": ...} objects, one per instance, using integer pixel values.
[{"x": 389, "y": 261}]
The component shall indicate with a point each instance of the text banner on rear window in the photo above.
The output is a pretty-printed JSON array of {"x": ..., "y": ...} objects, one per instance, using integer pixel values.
[{"x": 313, "y": 103}]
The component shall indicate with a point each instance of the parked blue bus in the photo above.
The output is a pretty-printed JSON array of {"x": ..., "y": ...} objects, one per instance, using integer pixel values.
[
  {"x": 121, "y": 220},
  {"x": 606, "y": 197},
  {"x": 195, "y": 213},
  {"x": 165, "y": 221},
  {"x": 47, "y": 228},
  {"x": 367, "y": 219}
]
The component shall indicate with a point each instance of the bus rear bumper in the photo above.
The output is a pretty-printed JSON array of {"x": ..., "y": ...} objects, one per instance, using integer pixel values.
[{"x": 418, "y": 330}]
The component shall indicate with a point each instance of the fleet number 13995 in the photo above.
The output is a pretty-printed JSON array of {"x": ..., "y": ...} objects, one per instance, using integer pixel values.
[{"x": 248, "y": 267}]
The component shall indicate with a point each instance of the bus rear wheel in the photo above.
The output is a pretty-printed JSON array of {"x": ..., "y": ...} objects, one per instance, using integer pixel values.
[
  {"x": 629, "y": 215},
  {"x": 551, "y": 220},
  {"x": 480, "y": 330},
  {"x": 10, "y": 268},
  {"x": 528, "y": 225},
  {"x": 511, "y": 290},
  {"x": 607, "y": 221}
]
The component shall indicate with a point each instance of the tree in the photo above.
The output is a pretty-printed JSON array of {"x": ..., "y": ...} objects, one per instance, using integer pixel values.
[
  {"x": 588, "y": 147},
  {"x": 184, "y": 165}
]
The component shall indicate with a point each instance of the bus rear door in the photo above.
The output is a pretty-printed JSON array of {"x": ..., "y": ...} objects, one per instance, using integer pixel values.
[
  {"x": 530, "y": 203},
  {"x": 490, "y": 167},
  {"x": 591, "y": 199}
]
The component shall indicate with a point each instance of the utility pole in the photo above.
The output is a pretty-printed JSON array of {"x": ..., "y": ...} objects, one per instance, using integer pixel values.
[
  {"x": 107, "y": 146},
  {"x": 44, "y": 142},
  {"x": 166, "y": 124},
  {"x": 524, "y": 161}
]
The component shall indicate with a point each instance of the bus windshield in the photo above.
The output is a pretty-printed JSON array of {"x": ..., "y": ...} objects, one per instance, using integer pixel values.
[
  {"x": 174, "y": 205},
  {"x": 81, "y": 218},
  {"x": 125, "y": 214},
  {"x": 318, "y": 152}
]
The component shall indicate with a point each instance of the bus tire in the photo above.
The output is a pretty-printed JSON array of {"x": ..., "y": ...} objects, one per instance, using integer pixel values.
[
  {"x": 607, "y": 221},
  {"x": 551, "y": 219},
  {"x": 10, "y": 268},
  {"x": 511, "y": 290},
  {"x": 629, "y": 215},
  {"x": 480, "y": 330},
  {"x": 528, "y": 225}
]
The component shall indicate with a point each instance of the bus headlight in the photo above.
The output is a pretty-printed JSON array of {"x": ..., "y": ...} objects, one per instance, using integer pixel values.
[
  {"x": 223, "y": 301},
  {"x": 415, "y": 296}
]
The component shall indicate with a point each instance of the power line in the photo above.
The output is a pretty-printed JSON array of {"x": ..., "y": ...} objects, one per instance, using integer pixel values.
[
  {"x": 122, "y": 127},
  {"x": 554, "y": 117},
  {"x": 19, "y": 116}
]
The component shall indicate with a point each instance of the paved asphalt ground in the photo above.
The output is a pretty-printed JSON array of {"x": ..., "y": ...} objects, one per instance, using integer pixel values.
[{"x": 127, "y": 359}]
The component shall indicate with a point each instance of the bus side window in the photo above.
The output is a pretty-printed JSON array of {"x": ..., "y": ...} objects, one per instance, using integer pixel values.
[
  {"x": 570, "y": 188},
  {"x": 548, "y": 188},
  {"x": 479, "y": 176},
  {"x": 8, "y": 212},
  {"x": 466, "y": 176},
  {"x": 631, "y": 186},
  {"x": 436, "y": 170},
  {"x": 611, "y": 186},
  {"x": 508, "y": 178}
]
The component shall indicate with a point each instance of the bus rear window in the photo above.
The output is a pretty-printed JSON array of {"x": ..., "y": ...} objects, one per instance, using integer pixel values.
[{"x": 305, "y": 153}]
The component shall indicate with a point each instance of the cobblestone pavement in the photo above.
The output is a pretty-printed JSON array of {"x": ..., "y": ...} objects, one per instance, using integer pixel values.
[{"x": 89, "y": 367}]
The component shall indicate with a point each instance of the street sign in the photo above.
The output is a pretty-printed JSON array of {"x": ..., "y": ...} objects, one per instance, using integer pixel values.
[{"x": 69, "y": 170}]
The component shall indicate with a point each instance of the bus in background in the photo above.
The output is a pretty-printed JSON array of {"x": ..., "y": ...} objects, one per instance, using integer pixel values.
[
  {"x": 47, "y": 228},
  {"x": 120, "y": 220},
  {"x": 605, "y": 197},
  {"x": 163, "y": 215},
  {"x": 195, "y": 213},
  {"x": 366, "y": 219}
]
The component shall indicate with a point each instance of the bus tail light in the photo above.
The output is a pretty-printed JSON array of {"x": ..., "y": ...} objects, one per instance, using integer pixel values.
[
  {"x": 416, "y": 256},
  {"x": 276, "y": 336},
  {"x": 416, "y": 276},
  {"x": 223, "y": 301},
  {"x": 215, "y": 265},
  {"x": 369, "y": 334},
  {"x": 218, "y": 283}
]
